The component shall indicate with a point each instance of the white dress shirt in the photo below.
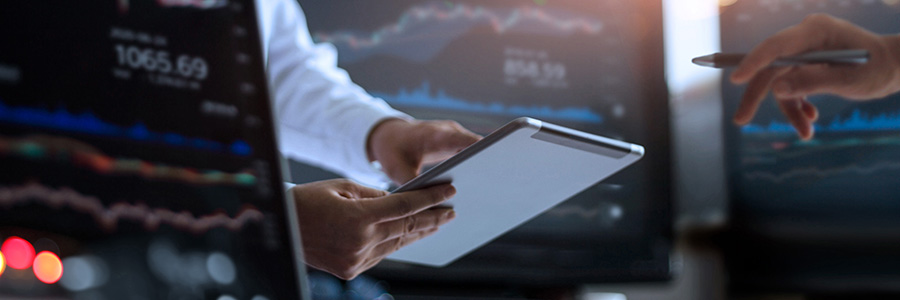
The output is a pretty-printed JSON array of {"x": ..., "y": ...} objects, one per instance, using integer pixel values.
[{"x": 324, "y": 118}]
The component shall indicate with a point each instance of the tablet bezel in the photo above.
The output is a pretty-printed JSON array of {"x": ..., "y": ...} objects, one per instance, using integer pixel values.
[{"x": 577, "y": 137}]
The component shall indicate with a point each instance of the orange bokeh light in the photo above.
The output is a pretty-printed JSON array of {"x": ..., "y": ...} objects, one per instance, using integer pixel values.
[
  {"x": 2, "y": 263},
  {"x": 18, "y": 253},
  {"x": 47, "y": 267}
]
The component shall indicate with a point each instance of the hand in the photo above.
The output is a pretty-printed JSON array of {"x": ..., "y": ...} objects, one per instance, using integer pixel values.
[
  {"x": 403, "y": 147},
  {"x": 791, "y": 85},
  {"x": 347, "y": 228}
]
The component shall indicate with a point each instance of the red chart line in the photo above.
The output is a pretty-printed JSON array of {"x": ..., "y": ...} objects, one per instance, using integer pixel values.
[
  {"x": 86, "y": 156},
  {"x": 109, "y": 217}
]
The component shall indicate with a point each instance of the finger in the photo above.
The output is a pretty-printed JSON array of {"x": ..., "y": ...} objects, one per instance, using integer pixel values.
[
  {"x": 793, "y": 40},
  {"x": 816, "y": 79},
  {"x": 401, "y": 205},
  {"x": 755, "y": 93},
  {"x": 810, "y": 110},
  {"x": 792, "y": 109},
  {"x": 390, "y": 246},
  {"x": 423, "y": 221}
]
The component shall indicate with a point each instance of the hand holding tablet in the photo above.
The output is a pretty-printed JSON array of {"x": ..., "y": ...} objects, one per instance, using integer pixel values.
[{"x": 512, "y": 175}]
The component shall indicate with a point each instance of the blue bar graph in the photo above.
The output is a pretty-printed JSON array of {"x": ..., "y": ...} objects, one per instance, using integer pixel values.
[
  {"x": 88, "y": 123},
  {"x": 857, "y": 121},
  {"x": 422, "y": 97}
]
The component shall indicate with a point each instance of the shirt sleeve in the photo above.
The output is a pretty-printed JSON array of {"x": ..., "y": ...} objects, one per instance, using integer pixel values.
[{"x": 324, "y": 118}]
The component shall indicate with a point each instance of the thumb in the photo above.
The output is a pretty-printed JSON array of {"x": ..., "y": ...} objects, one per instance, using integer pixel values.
[
  {"x": 402, "y": 169},
  {"x": 399, "y": 205},
  {"x": 461, "y": 139},
  {"x": 446, "y": 142}
]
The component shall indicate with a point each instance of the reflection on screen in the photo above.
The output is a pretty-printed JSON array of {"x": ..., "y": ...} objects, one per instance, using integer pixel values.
[
  {"x": 138, "y": 154},
  {"x": 594, "y": 66}
]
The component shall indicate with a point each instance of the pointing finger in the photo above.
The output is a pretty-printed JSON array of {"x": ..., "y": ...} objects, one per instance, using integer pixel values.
[
  {"x": 809, "y": 110},
  {"x": 792, "y": 109},
  {"x": 754, "y": 95}
]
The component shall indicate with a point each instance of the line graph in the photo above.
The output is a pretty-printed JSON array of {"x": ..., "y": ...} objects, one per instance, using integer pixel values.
[
  {"x": 774, "y": 6},
  {"x": 86, "y": 122},
  {"x": 86, "y": 156},
  {"x": 422, "y": 97},
  {"x": 423, "y": 30},
  {"x": 108, "y": 217},
  {"x": 857, "y": 121},
  {"x": 821, "y": 172},
  {"x": 200, "y": 4},
  {"x": 796, "y": 149},
  {"x": 125, "y": 5}
]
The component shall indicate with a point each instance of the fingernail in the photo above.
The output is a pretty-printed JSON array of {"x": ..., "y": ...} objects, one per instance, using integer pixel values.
[
  {"x": 809, "y": 134},
  {"x": 450, "y": 214},
  {"x": 449, "y": 191},
  {"x": 782, "y": 88}
]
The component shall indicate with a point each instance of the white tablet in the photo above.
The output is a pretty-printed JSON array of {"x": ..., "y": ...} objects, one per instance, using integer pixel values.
[{"x": 512, "y": 175}]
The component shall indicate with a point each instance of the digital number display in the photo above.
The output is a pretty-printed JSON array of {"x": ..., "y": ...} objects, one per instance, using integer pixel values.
[
  {"x": 142, "y": 52},
  {"x": 153, "y": 60}
]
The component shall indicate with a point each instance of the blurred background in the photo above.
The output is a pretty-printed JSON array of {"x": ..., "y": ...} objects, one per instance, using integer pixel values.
[{"x": 713, "y": 211}]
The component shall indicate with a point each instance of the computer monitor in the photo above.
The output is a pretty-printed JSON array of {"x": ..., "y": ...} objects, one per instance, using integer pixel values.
[
  {"x": 138, "y": 154},
  {"x": 595, "y": 66},
  {"x": 819, "y": 215}
]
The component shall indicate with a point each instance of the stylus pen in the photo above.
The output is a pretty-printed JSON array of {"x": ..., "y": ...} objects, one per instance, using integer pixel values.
[{"x": 724, "y": 60}]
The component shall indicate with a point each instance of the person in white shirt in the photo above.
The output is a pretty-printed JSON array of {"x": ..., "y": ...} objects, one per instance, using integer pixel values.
[
  {"x": 878, "y": 78},
  {"x": 327, "y": 120}
]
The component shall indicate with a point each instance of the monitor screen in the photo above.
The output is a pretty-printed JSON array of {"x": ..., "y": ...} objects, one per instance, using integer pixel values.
[
  {"x": 824, "y": 208},
  {"x": 595, "y": 66},
  {"x": 138, "y": 152}
]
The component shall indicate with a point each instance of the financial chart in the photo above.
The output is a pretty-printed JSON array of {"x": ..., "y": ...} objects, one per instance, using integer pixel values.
[
  {"x": 589, "y": 65},
  {"x": 138, "y": 154},
  {"x": 849, "y": 170},
  {"x": 471, "y": 59},
  {"x": 815, "y": 216}
]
